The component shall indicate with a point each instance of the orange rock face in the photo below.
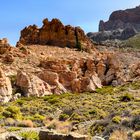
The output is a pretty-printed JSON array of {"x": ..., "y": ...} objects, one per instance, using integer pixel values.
[{"x": 56, "y": 34}]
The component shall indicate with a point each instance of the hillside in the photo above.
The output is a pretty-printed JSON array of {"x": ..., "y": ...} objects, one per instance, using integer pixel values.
[
  {"x": 81, "y": 87},
  {"x": 122, "y": 25}
]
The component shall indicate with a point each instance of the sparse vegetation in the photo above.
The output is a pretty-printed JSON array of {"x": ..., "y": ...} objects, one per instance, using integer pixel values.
[
  {"x": 116, "y": 119},
  {"x": 133, "y": 42},
  {"x": 11, "y": 129},
  {"x": 30, "y": 135},
  {"x": 106, "y": 106}
]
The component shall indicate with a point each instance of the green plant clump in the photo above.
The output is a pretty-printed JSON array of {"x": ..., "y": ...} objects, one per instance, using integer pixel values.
[
  {"x": 63, "y": 117},
  {"x": 126, "y": 97},
  {"x": 12, "y": 112},
  {"x": 11, "y": 129},
  {"x": 30, "y": 135},
  {"x": 116, "y": 119}
]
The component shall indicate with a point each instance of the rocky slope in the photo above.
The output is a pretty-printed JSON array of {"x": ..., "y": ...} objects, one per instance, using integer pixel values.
[
  {"x": 122, "y": 24},
  {"x": 39, "y": 70},
  {"x": 34, "y": 69}
]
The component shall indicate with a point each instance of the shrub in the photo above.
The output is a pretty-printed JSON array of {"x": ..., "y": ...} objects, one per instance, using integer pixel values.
[
  {"x": 52, "y": 126},
  {"x": 20, "y": 102},
  {"x": 98, "y": 113},
  {"x": 126, "y": 97},
  {"x": 136, "y": 135},
  {"x": 122, "y": 135},
  {"x": 75, "y": 117},
  {"x": 10, "y": 122},
  {"x": 51, "y": 99},
  {"x": 13, "y": 79},
  {"x": 116, "y": 119},
  {"x": 39, "y": 117},
  {"x": 31, "y": 135},
  {"x": 12, "y": 112},
  {"x": 63, "y": 117},
  {"x": 135, "y": 123},
  {"x": 98, "y": 129},
  {"x": 11, "y": 129},
  {"x": 1, "y": 109},
  {"x": 135, "y": 112},
  {"x": 26, "y": 123},
  {"x": 105, "y": 90}
]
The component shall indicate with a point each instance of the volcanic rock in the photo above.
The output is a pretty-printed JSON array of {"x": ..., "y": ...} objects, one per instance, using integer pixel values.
[
  {"x": 122, "y": 24},
  {"x": 122, "y": 19},
  {"x": 56, "y": 34},
  {"x": 4, "y": 46},
  {"x": 5, "y": 87},
  {"x": 31, "y": 85}
]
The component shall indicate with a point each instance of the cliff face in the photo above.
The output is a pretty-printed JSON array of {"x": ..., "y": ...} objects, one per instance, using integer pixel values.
[
  {"x": 56, "y": 34},
  {"x": 122, "y": 24},
  {"x": 129, "y": 18}
]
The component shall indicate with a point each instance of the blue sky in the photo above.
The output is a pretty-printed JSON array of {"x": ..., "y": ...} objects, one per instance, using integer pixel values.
[{"x": 16, "y": 14}]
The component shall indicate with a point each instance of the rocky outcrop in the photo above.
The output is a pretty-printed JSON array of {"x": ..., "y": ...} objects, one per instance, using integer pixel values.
[
  {"x": 121, "y": 25},
  {"x": 52, "y": 135},
  {"x": 120, "y": 34},
  {"x": 5, "y": 88},
  {"x": 56, "y": 34},
  {"x": 73, "y": 75},
  {"x": 122, "y": 19}
]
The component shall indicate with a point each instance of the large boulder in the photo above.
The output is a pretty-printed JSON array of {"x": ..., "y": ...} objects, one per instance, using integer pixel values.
[
  {"x": 5, "y": 87},
  {"x": 31, "y": 85},
  {"x": 86, "y": 84},
  {"x": 53, "y": 79}
]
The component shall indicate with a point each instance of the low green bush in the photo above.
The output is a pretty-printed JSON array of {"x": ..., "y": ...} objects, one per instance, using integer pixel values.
[
  {"x": 126, "y": 97},
  {"x": 11, "y": 129},
  {"x": 116, "y": 119},
  {"x": 63, "y": 117},
  {"x": 12, "y": 112},
  {"x": 29, "y": 135}
]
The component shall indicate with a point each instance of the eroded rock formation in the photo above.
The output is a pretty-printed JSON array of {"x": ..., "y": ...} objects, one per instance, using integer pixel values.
[{"x": 56, "y": 34}]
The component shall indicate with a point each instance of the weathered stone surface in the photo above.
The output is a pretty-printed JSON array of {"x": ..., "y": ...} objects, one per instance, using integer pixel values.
[
  {"x": 122, "y": 24},
  {"x": 120, "y": 34},
  {"x": 56, "y": 34},
  {"x": 5, "y": 87},
  {"x": 4, "y": 46},
  {"x": 52, "y": 135},
  {"x": 66, "y": 78},
  {"x": 31, "y": 85},
  {"x": 122, "y": 19},
  {"x": 53, "y": 79},
  {"x": 9, "y": 58}
]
